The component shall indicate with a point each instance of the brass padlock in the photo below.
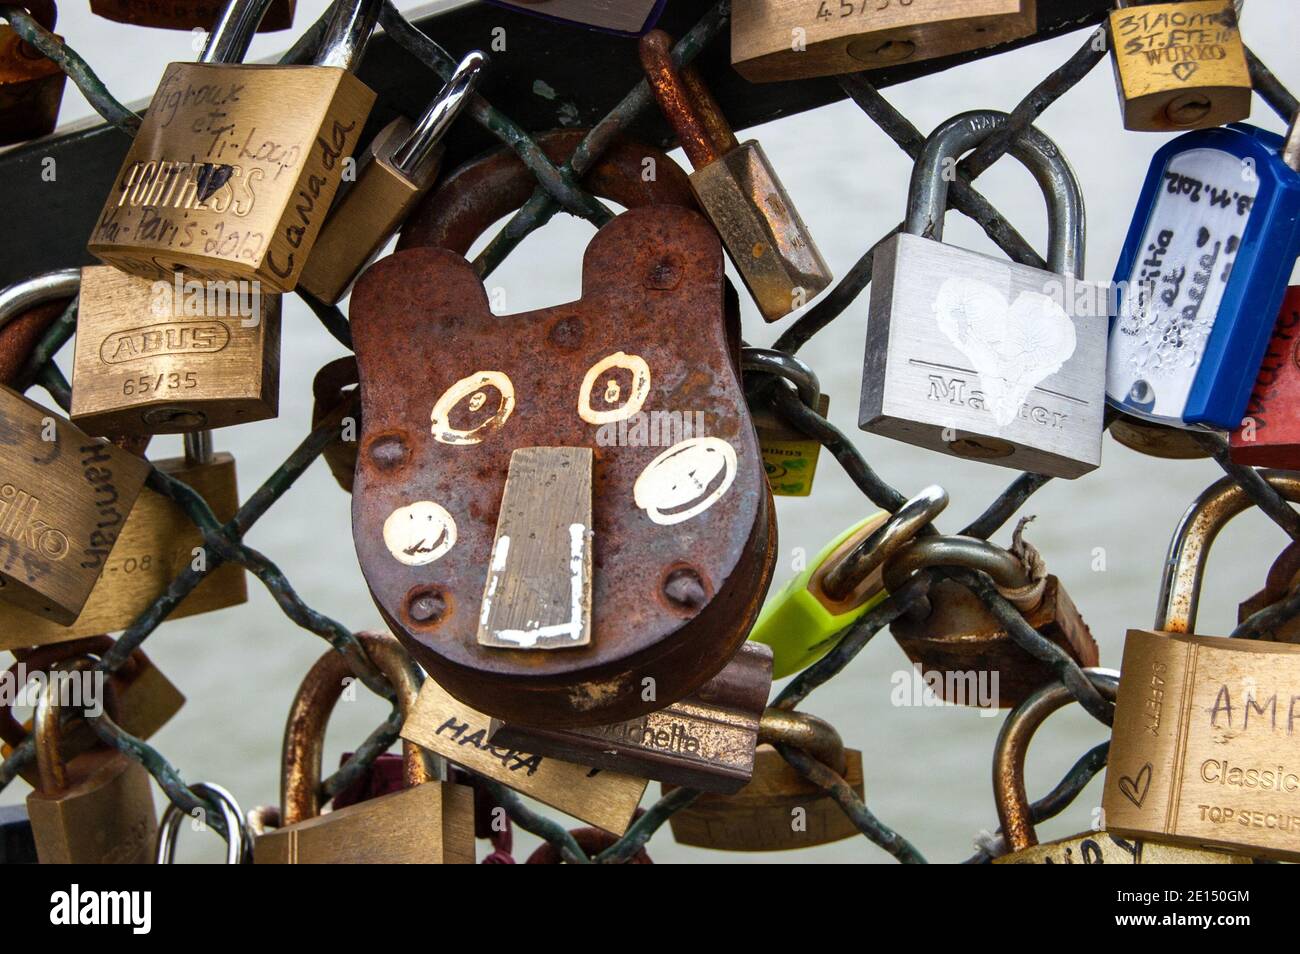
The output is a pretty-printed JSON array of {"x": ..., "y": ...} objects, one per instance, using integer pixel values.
[
  {"x": 234, "y": 166},
  {"x": 1283, "y": 577},
  {"x": 1157, "y": 440},
  {"x": 1179, "y": 65},
  {"x": 775, "y": 40},
  {"x": 958, "y": 642},
  {"x": 169, "y": 357},
  {"x": 398, "y": 168},
  {"x": 738, "y": 190},
  {"x": 185, "y": 14},
  {"x": 157, "y": 541},
  {"x": 779, "y": 809},
  {"x": 239, "y": 841},
  {"x": 94, "y": 809},
  {"x": 789, "y": 455},
  {"x": 31, "y": 85},
  {"x": 1202, "y": 748},
  {"x": 431, "y": 822},
  {"x": 1090, "y": 848}
]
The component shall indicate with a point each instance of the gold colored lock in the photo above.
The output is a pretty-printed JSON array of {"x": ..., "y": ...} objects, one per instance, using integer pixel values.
[
  {"x": 738, "y": 190},
  {"x": 31, "y": 85},
  {"x": 94, "y": 809},
  {"x": 235, "y": 166},
  {"x": 1179, "y": 65},
  {"x": 157, "y": 541},
  {"x": 1090, "y": 848},
  {"x": 845, "y": 36},
  {"x": 399, "y": 167},
  {"x": 431, "y": 822}
]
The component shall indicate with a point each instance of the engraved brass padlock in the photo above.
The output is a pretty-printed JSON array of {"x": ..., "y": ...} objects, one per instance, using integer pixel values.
[
  {"x": 1283, "y": 577},
  {"x": 959, "y": 643},
  {"x": 185, "y": 14},
  {"x": 239, "y": 841},
  {"x": 223, "y": 181},
  {"x": 793, "y": 39},
  {"x": 31, "y": 85},
  {"x": 431, "y": 822},
  {"x": 978, "y": 357},
  {"x": 1179, "y": 65},
  {"x": 1090, "y": 848},
  {"x": 96, "y": 808},
  {"x": 738, "y": 190},
  {"x": 779, "y": 809},
  {"x": 1202, "y": 749}
]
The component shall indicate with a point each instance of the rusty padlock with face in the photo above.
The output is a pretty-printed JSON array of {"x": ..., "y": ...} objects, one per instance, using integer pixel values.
[
  {"x": 31, "y": 85},
  {"x": 429, "y": 822},
  {"x": 550, "y": 518},
  {"x": 185, "y": 14},
  {"x": 963, "y": 650}
]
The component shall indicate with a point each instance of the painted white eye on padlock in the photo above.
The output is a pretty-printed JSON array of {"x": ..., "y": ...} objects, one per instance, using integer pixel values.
[{"x": 977, "y": 356}]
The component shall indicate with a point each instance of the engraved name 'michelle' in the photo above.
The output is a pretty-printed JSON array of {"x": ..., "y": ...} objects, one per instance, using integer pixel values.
[
  {"x": 175, "y": 184},
  {"x": 672, "y": 738}
]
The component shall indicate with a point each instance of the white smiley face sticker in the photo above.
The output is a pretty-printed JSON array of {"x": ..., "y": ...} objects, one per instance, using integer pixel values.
[
  {"x": 685, "y": 480},
  {"x": 620, "y": 381},
  {"x": 482, "y": 403},
  {"x": 419, "y": 533}
]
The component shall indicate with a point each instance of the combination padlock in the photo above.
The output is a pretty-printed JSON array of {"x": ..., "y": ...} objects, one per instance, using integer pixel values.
[
  {"x": 738, "y": 190},
  {"x": 1203, "y": 272},
  {"x": 1201, "y": 752},
  {"x": 805, "y": 619},
  {"x": 431, "y": 822},
  {"x": 623, "y": 17},
  {"x": 980, "y": 357},
  {"x": 1179, "y": 65},
  {"x": 1283, "y": 577},
  {"x": 515, "y": 599},
  {"x": 1100, "y": 847},
  {"x": 957, "y": 641},
  {"x": 185, "y": 14},
  {"x": 1269, "y": 435},
  {"x": 31, "y": 85},
  {"x": 775, "y": 40},
  {"x": 222, "y": 181},
  {"x": 239, "y": 841}
]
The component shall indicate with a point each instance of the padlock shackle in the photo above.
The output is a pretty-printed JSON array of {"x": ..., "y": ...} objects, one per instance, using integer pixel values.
[
  {"x": 233, "y": 33},
  {"x": 927, "y": 198},
  {"x": 891, "y": 537},
  {"x": 1180, "y": 586},
  {"x": 304, "y": 732},
  {"x": 437, "y": 119},
  {"x": 808, "y": 733},
  {"x": 21, "y": 296},
  {"x": 347, "y": 32},
  {"x": 1007, "y": 570},
  {"x": 238, "y": 842},
  {"x": 1014, "y": 812},
  {"x": 47, "y": 727},
  {"x": 787, "y": 366},
  {"x": 1291, "y": 145},
  {"x": 702, "y": 131}
]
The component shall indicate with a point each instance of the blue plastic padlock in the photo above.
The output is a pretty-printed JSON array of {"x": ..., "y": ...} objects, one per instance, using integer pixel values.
[{"x": 1201, "y": 277}]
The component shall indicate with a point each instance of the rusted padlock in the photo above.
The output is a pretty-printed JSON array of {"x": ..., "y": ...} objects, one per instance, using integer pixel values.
[
  {"x": 185, "y": 14},
  {"x": 683, "y": 537},
  {"x": 31, "y": 85},
  {"x": 592, "y": 841},
  {"x": 334, "y": 385},
  {"x": 1283, "y": 577}
]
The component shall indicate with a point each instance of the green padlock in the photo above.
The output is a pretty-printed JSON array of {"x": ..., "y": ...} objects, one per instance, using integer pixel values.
[{"x": 803, "y": 620}]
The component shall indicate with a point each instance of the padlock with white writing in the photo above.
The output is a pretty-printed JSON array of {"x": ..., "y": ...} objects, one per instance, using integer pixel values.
[
  {"x": 738, "y": 190},
  {"x": 1202, "y": 276},
  {"x": 976, "y": 356},
  {"x": 807, "y": 617},
  {"x": 623, "y": 17},
  {"x": 429, "y": 822},
  {"x": 1179, "y": 65},
  {"x": 964, "y": 652},
  {"x": 793, "y": 39},
  {"x": 31, "y": 85},
  {"x": 185, "y": 14},
  {"x": 1269, "y": 435},
  {"x": 1203, "y": 747},
  {"x": 1099, "y": 847},
  {"x": 234, "y": 166}
]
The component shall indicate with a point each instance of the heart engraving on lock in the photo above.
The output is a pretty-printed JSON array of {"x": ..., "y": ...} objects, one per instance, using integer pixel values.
[{"x": 1135, "y": 788}]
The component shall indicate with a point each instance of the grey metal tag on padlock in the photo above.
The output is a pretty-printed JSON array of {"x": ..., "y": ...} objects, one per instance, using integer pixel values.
[{"x": 976, "y": 356}]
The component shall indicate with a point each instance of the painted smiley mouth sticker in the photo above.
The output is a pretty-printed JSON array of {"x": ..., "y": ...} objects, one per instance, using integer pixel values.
[
  {"x": 1012, "y": 348},
  {"x": 685, "y": 480},
  {"x": 419, "y": 533}
]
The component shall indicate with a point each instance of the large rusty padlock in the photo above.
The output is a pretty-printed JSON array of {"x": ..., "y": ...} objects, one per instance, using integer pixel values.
[{"x": 640, "y": 559}]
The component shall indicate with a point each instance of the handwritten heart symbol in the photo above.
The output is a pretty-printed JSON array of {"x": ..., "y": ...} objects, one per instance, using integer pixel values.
[
  {"x": 1185, "y": 70},
  {"x": 1135, "y": 789},
  {"x": 1011, "y": 347},
  {"x": 210, "y": 178}
]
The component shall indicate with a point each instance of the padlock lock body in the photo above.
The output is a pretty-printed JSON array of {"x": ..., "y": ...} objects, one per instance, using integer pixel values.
[
  {"x": 789, "y": 455},
  {"x": 1202, "y": 749},
  {"x": 155, "y": 544},
  {"x": 241, "y": 197},
  {"x": 1180, "y": 65},
  {"x": 31, "y": 89},
  {"x": 767, "y": 240},
  {"x": 431, "y": 824},
  {"x": 846, "y": 36},
  {"x": 105, "y": 816},
  {"x": 1270, "y": 434},
  {"x": 758, "y": 817},
  {"x": 1106, "y": 848},
  {"x": 800, "y": 621},
  {"x": 185, "y": 14},
  {"x": 367, "y": 215},
  {"x": 1156, "y": 440},
  {"x": 159, "y": 357},
  {"x": 960, "y": 640},
  {"x": 948, "y": 336},
  {"x": 63, "y": 502},
  {"x": 1202, "y": 277}
]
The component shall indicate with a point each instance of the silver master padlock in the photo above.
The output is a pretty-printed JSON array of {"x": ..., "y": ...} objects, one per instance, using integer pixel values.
[{"x": 977, "y": 356}]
